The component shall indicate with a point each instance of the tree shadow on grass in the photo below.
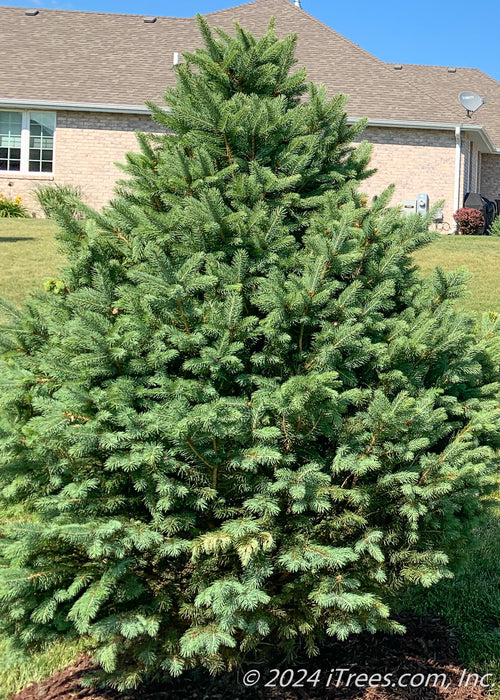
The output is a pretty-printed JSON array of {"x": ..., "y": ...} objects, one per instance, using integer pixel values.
[{"x": 16, "y": 239}]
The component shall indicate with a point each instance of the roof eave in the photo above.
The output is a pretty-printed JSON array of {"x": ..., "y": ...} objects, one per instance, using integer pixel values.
[
  {"x": 74, "y": 106},
  {"x": 478, "y": 130}
]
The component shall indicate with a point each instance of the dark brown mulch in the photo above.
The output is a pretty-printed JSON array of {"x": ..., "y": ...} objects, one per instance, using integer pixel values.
[{"x": 429, "y": 647}]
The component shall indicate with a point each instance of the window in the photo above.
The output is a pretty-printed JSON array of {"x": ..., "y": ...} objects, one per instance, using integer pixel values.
[
  {"x": 42, "y": 127},
  {"x": 27, "y": 141},
  {"x": 11, "y": 124}
]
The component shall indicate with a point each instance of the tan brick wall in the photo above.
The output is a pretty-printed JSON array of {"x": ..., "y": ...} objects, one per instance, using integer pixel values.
[
  {"x": 490, "y": 176},
  {"x": 415, "y": 161},
  {"x": 87, "y": 144}
]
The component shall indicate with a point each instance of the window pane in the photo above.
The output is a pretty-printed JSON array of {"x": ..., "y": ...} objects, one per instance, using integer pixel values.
[
  {"x": 6, "y": 141},
  {"x": 10, "y": 140},
  {"x": 11, "y": 123},
  {"x": 41, "y": 142},
  {"x": 42, "y": 126},
  {"x": 37, "y": 166},
  {"x": 42, "y": 123}
]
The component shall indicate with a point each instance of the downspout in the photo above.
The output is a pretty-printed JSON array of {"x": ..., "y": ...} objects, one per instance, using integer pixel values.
[{"x": 458, "y": 158}]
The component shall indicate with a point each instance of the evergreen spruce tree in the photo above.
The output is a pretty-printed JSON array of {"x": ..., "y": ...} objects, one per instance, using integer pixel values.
[{"x": 239, "y": 418}]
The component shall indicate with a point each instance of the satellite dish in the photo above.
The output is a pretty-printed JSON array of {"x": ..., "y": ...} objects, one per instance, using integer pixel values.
[{"x": 470, "y": 101}]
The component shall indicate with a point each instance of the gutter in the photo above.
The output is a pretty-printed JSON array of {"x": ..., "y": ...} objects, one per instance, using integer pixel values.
[
  {"x": 476, "y": 129},
  {"x": 75, "y": 106}
]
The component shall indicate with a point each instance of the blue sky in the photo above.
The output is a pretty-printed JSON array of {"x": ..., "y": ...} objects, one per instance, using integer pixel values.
[{"x": 434, "y": 32}]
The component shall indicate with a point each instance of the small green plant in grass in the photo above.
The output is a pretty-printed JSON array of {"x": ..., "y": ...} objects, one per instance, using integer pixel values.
[
  {"x": 12, "y": 208},
  {"x": 495, "y": 226}
]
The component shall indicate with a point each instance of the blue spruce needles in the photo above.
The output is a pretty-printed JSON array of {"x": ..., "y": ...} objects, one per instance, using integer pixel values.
[{"x": 239, "y": 418}]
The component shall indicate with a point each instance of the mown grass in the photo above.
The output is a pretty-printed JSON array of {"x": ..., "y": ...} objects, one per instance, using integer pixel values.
[
  {"x": 28, "y": 255},
  {"x": 470, "y": 602},
  {"x": 480, "y": 254},
  {"x": 20, "y": 671}
]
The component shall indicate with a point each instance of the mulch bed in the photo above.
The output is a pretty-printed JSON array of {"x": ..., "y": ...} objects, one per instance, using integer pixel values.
[{"x": 429, "y": 647}]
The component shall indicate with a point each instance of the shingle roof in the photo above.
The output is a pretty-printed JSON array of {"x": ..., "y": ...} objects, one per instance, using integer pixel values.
[
  {"x": 445, "y": 85},
  {"x": 97, "y": 57}
]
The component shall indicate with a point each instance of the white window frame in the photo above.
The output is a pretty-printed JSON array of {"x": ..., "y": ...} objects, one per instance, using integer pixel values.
[{"x": 25, "y": 145}]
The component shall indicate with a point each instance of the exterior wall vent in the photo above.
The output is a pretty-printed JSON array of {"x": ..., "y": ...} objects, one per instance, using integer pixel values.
[
  {"x": 149, "y": 20},
  {"x": 31, "y": 12},
  {"x": 398, "y": 66}
]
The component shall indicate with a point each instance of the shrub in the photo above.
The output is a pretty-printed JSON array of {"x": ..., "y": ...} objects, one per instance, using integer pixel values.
[
  {"x": 242, "y": 420},
  {"x": 12, "y": 208},
  {"x": 54, "y": 197},
  {"x": 495, "y": 226},
  {"x": 469, "y": 221}
]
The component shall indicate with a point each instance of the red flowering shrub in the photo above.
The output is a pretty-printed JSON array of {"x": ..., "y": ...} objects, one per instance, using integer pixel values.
[{"x": 469, "y": 221}]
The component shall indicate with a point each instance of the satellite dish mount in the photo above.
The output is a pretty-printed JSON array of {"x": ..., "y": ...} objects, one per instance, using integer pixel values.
[{"x": 471, "y": 102}]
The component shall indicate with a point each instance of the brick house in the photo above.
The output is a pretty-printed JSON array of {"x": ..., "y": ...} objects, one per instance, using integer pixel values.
[{"x": 71, "y": 100}]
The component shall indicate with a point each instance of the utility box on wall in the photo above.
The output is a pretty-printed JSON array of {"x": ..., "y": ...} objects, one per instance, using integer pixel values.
[
  {"x": 409, "y": 206},
  {"x": 422, "y": 203}
]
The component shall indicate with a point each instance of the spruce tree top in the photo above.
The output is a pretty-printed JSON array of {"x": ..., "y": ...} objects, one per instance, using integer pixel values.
[{"x": 240, "y": 416}]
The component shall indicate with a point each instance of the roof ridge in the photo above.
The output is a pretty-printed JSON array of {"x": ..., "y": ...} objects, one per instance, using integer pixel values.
[
  {"x": 429, "y": 65},
  {"x": 134, "y": 14},
  {"x": 95, "y": 12},
  {"x": 242, "y": 4}
]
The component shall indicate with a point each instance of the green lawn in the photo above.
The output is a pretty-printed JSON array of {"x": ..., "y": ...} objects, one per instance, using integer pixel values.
[
  {"x": 480, "y": 254},
  {"x": 470, "y": 602},
  {"x": 19, "y": 673},
  {"x": 28, "y": 255}
]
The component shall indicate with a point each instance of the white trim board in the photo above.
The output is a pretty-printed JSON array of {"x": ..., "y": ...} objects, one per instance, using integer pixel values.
[{"x": 477, "y": 131}]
